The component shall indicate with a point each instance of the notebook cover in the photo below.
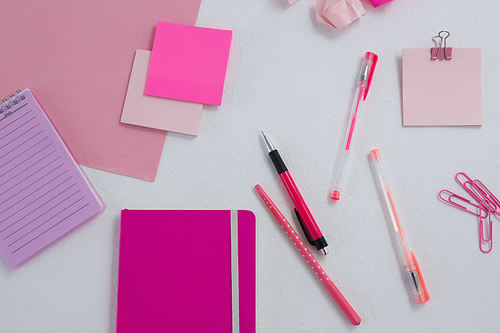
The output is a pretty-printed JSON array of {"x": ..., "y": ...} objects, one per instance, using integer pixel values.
[
  {"x": 442, "y": 92},
  {"x": 157, "y": 112},
  {"x": 77, "y": 57},
  {"x": 175, "y": 271},
  {"x": 44, "y": 194},
  {"x": 188, "y": 63}
]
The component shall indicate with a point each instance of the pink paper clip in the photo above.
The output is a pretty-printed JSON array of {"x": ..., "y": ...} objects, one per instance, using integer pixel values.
[
  {"x": 487, "y": 204},
  {"x": 486, "y": 193},
  {"x": 467, "y": 184},
  {"x": 485, "y": 245},
  {"x": 448, "y": 196}
]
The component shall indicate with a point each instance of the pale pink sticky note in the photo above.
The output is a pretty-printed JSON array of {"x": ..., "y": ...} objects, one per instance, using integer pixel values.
[
  {"x": 338, "y": 13},
  {"x": 442, "y": 92},
  {"x": 77, "y": 57},
  {"x": 157, "y": 112},
  {"x": 189, "y": 63},
  {"x": 377, "y": 3}
]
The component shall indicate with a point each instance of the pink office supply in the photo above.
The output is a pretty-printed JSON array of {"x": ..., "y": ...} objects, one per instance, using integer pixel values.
[
  {"x": 485, "y": 204},
  {"x": 156, "y": 112},
  {"x": 45, "y": 195},
  {"x": 332, "y": 289},
  {"x": 485, "y": 244},
  {"x": 189, "y": 63},
  {"x": 442, "y": 93},
  {"x": 441, "y": 51},
  {"x": 377, "y": 3},
  {"x": 77, "y": 56},
  {"x": 487, "y": 194},
  {"x": 362, "y": 87},
  {"x": 338, "y": 13},
  {"x": 461, "y": 202},
  {"x": 187, "y": 271}
]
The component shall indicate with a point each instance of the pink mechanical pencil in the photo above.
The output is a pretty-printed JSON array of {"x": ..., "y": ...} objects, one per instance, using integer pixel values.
[
  {"x": 306, "y": 220},
  {"x": 299, "y": 244},
  {"x": 362, "y": 87}
]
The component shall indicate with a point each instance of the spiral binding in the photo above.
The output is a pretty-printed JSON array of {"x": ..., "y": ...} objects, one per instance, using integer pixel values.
[{"x": 12, "y": 100}]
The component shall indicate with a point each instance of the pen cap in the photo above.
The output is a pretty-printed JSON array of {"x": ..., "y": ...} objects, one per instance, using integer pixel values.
[
  {"x": 367, "y": 69},
  {"x": 375, "y": 154}
]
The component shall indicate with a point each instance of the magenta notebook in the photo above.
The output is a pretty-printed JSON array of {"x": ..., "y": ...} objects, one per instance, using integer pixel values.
[
  {"x": 44, "y": 194},
  {"x": 187, "y": 271}
]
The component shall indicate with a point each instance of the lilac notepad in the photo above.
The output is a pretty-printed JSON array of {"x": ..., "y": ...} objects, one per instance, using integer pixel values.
[
  {"x": 186, "y": 271},
  {"x": 188, "y": 63},
  {"x": 44, "y": 194}
]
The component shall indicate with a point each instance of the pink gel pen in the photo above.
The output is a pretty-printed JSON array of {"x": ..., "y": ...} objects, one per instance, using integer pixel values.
[{"x": 362, "y": 87}]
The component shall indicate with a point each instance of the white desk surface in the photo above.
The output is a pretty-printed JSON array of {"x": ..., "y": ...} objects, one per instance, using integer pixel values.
[{"x": 293, "y": 78}]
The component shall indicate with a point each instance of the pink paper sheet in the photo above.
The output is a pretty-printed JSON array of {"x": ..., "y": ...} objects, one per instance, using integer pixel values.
[
  {"x": 77, "y": 56},
  {"x": 338, "y": 13},
  {"x": 189, "y": 63},
  {"x": 175, "y": 271},
  {"x": 157, "y": 112},
  {"x": 442, "y": 92}
]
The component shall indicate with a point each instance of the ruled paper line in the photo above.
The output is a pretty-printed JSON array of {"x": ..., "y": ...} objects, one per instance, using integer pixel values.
[
  {"x": 28, "y": 167},
  {"x": 46, "y": 202},
  {"x": 55, "y": 225},
  {"x": 36, "y": 218},
  {"x": 37, "y": 199}
]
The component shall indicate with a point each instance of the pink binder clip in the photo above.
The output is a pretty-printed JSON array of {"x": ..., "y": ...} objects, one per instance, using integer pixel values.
[{"x": 440, "y": 52}]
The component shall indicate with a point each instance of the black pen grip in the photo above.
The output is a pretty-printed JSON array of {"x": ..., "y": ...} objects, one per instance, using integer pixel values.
[{"x": 277, "y": 161}]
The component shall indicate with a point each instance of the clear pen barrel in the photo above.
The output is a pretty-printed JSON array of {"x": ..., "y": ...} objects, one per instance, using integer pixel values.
[{"x": 410, "y": 263}]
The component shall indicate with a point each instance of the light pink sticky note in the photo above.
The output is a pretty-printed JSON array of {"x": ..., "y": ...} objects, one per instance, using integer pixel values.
[
  {"x": 77, "y": 56},
  {"x": 442, "y": 92},
  {"x": 189, "y": 63},
  {"x": 157, "y": 112},
  {"x": 338, "y": 13},
  {"x": 377, "y": 3}
]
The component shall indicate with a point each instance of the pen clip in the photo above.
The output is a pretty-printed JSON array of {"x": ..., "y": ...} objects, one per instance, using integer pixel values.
[
  {"x": 304, "y": 229},
  {"x": 371, "y": 59}
]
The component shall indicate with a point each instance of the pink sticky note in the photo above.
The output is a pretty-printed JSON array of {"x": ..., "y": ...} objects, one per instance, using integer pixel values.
[
  {"x": 157, "y": 112},
  {"x": 176, "y": 271},
  {"x": 442, "y": 92},
  {"x": 377, "y": 3},
  {"x": 188, "y": 63},
  {"x": 77, "y": 56},
  {"x": 338, "y": 13}
]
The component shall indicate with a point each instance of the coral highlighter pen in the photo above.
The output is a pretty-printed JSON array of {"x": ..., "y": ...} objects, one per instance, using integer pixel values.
[
  {"x": 306, "y": 220},
  {"x": 362, "y": 87},
  {"x": 416, "y": 281}
]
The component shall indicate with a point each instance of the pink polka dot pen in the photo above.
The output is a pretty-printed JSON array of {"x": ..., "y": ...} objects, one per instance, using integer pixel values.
[{"x": 299, "y": 244}]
